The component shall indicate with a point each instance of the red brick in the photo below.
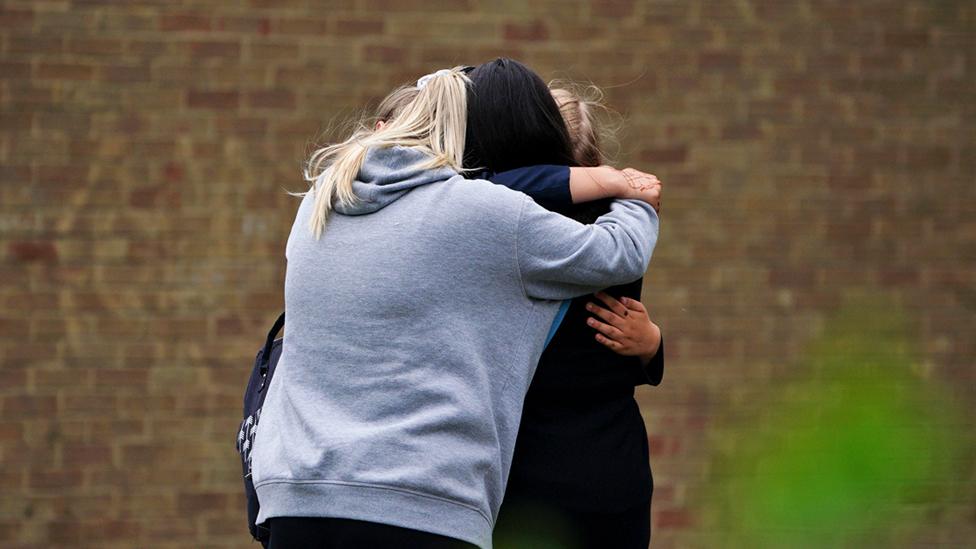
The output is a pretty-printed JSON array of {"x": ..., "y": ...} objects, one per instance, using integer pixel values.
[
  {"x": 229, "y": 326},
  {"x": 665, "y": 155},
  {"x": 849, "y": 182},
  {"x": 82, "y": 455},
  {"x": 385, "y": 54},
  {"x": 14, "y": 70},
  {"x": 16, "y": 18},
  {"x": 121, "y": 378},
  {"x": 676, "y": 519},
  {"x": 792, "y": 277},
  {"x": 197, "y": 99},
  {"x": 155, "y": 196},
  {"x": 67, "y": 531},
  {"x": 90, "y": 406},
  {"x": 301, "y": 26},
  {"x": 120, "y": 73},
  {"x": 741, "y": 131},
  {"x": 216, "y": 49},
  {"x": 899, "y": 277},
  {"x": 12, "y": 328},
  {"x": 32, "y": 252},
  {"x": 184, "y": 22},
  {"x": 108, "y": 530},
  {"x": 244, "y": 25},
  {"x": 271, "y": 99},
  {"x": 920, "y": 157},
  {"x": 64, "y": 71},
  {"x": 116, "y": 429},
  {"x": 11, "y": 432},
  {"x": 529, "y": 32},
  {"x": 59, "y": 479},
  {"x": 613, "y": 8},
  {"x": 719, "y": 60},
  {"x": 347, "y": 26},
  {"x": 203, "y": 502},
  {"x": 95, "y": 46},
  {"x": 59, "y": 378},
  {"x": 432, "y": 6},
  {"x": 34, "y": 45},
  {"x": 907, "y": 39}
]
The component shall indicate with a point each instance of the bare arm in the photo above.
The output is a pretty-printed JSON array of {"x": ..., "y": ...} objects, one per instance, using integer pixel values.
[{"x": 588, "y": 184}]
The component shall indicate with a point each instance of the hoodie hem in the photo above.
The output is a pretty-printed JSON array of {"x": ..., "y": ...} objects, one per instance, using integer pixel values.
[{"x": 374, "y": 503}]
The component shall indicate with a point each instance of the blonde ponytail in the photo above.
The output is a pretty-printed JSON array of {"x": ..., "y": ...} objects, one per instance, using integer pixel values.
[{"x": 434, "y": 122}]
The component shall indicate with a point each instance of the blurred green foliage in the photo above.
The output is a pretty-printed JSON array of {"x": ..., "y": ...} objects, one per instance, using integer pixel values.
[{"x": 824, "y": 459}]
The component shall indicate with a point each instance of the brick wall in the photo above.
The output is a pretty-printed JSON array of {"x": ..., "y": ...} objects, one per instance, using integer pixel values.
[{"x": 809, "y": 149}]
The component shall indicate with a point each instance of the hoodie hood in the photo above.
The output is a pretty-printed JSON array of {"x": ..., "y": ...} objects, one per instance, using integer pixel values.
[{"x": 387, "y": 174}]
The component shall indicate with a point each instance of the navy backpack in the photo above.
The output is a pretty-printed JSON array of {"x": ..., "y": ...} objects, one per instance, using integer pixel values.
[{"x": 261, "y": 374}]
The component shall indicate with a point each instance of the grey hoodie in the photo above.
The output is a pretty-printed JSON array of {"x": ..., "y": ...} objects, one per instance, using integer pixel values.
[{"x": 414, "y": 327}]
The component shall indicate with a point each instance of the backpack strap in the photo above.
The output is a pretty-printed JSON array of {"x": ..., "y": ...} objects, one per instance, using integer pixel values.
[{"x": 266, "y": 353}]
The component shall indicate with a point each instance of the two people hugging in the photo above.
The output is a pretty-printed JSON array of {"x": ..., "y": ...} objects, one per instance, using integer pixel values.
[{"x": 464, "y": 326}]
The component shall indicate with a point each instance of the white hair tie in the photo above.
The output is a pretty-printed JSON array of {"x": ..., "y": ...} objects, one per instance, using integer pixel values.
[{"x": 428, "y": 77}]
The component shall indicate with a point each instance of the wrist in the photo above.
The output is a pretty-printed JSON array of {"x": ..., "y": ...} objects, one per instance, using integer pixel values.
[
  {"x": 654, "y": 345},
  {"x": 616, "y": 182},
  {"x": 609, "y": 181},
  {"x": 587, "y": 184}
]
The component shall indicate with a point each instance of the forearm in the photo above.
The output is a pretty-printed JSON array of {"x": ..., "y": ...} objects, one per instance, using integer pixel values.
[{"x": 589, "y": 184}]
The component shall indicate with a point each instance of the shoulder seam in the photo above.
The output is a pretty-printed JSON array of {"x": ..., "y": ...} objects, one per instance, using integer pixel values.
[{"x": 518, "y": 231}]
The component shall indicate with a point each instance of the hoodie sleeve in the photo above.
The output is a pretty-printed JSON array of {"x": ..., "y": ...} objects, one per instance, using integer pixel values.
[{"x": 559, "y": 258}]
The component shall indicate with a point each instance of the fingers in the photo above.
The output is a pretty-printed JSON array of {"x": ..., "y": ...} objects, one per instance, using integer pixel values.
[
  {"x": 605, "y": 314},
  {"x": 640, "y": 180},
  {"x": 605, "y": 329},
  {"x": 637, "y": 174},
  {"x": 634, "y": 172},
  {"x": 609, "y": 342},
  {"x": 633, "y": 305},
  {"x": 614, "y": 305},
  {"x": 650, "y": 194},
  {"x": 647, "y": 185}
]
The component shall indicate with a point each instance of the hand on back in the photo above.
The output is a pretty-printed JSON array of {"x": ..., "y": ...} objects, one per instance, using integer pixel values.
[{"x": 624, "y": 326}]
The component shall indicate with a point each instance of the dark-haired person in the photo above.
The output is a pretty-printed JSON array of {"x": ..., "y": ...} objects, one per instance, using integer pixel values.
[
  {"x": 580, "y": 476},
  {"x": 392, "y": 416}
]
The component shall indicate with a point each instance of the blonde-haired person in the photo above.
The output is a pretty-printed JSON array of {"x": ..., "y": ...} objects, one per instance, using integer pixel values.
[
  {"x": 581, "y": 458},
  {"x": 393, "y": 413},
  {"x": 577, "y": 105}
]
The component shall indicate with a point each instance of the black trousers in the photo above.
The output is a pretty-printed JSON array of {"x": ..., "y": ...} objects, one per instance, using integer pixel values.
[
  {"x": 337, "y": 533},
  {"x": 530, "y": 523}
]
